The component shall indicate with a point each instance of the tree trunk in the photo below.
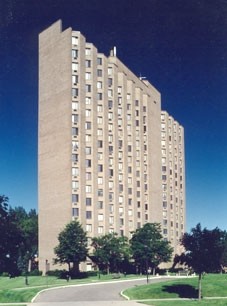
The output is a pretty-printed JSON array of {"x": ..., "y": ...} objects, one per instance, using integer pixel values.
[
  {"x": 75, "y": 268},
  {"x": 200, "y": 287}
]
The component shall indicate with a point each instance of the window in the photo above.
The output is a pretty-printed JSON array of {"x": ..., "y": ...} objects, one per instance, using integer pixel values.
[
  {"x": 75, "y": 40},
  {"x": 121, "y": 221},
  {"x": 99, "y": 85},
  {"x": 100, "y": 144},
  {"x": 110, "y": 70},
  {"x": 88, "y": 188},
  {"x": 99, "y": 61},
  {"x": 88, "y": 176},
  {"x": 100, "y": 192},
  {"x": 110, "y": 92},
  {"x": 110, "y": 116},
  {"x": 75, "y": 198},
  {"x": 87, "y": 51},
  {"x": 100, "y": 217},
  {"x": 100, "y": 168},
  {"x": 88, "y": 138},
  {"x": 88, "y": 163},
  {"x": 88, "y": 63},
  {"x": 88, "y": 88},
  {"x": 74, "y": 158},
  {"x": 87, "y": 112},
  {"x": 99, "y": 96},
  {"x": 87, "y": 125},
  {"x": 75, "y": 212},
  {"x": 100, "y": 180},
  {"x": 74, "y": 79},
  {"x": 88, "y": 100},
  {"x": 75, "y": 67},
  {"x": 111, "y": 220},
  {"x": 87, "y": 76},
  {"x": 75, "y": 171},
  {"x": 75, "y": 118},
  {"x": 164, "y": 205},
  {"x": 99, "y": 72},
  {"x": 119, "y": 89},
  {"x": 88, "y": 201},
  {"x": 88, "y": 214},
  {"x": 75, "y": 185},
  {"x": 110, "y": 104},
  {"x": 75, "y": 131},
  {"x": 100, "y": 229},
  {"x": 88, "y": 150},
  {"x": 75, "y": 105},
  {"x": 88, "y": 227},
  {"x": 75, "y": 92},
  {"x": 100, "y": 156},
  {"x": 74, "y": 53},
  {"x": 99, "y": 131},
  {"x": 99, "y": 108},
  {"x": 100, "y": 204},
  {"x": 110, "y": 82}
]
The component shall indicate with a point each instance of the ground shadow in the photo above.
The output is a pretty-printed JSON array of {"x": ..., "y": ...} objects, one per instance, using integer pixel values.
[{"x": 183, "y": 291}]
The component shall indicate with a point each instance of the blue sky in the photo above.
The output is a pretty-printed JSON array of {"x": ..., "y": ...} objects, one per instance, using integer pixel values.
[{"x": 180, "y": 46}]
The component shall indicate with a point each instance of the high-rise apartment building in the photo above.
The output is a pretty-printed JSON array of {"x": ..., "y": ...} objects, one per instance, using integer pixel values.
[{"x": 108, "y": 156}]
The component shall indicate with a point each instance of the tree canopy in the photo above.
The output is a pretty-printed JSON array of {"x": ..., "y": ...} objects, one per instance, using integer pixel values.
[
  {"x": 149, "y": 249},
  {"x": 18, "y": 237},
  {"x": 204, "y": 251},
  {"x": 72, "y": 247},
  {"x": 110, "y": 252}
]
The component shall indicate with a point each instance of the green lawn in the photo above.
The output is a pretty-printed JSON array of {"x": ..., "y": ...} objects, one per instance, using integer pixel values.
[
  {"x": 14, "y": 289},
  {"x": 213, "y": 285},
  {"x": 189, "y": 303}
]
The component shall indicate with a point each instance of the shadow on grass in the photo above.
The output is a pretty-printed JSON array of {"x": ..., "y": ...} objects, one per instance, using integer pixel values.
[{"x": 183, "y": 291}]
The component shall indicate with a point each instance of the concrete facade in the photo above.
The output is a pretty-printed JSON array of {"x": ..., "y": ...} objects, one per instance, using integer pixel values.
[{"x": 100, "y": 145}]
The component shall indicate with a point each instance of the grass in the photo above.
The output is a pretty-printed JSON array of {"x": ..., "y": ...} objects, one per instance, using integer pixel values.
[
  {"x": 188, "y": 303},
  {"x": 14, "y": 289},
  {"x": 213, "y": 285}
]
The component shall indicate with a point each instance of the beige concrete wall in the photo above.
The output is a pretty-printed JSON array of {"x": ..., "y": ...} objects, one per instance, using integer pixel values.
[{"x": 54, "y": 147}]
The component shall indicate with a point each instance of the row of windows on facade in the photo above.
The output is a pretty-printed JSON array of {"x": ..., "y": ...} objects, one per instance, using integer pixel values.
[
  {"x": 166, "y": 222},
  {"x": 100, "y": 217},
  {"x": 170, "y": 162},
  {"x": 88, "y": 101},
  {"x": 172, "y": 206},
  {"x": 88, "y": 202},
  {"x": 75, "y": 55},
  {"x": 75, "y": 172},
  {"x": 100, "y": 120},
  {"x": 176, "y": 137},
  {"x": 100, "y": 181},
  {"x": 75, "y": 200},
  {"x": 88, "y": 151}
]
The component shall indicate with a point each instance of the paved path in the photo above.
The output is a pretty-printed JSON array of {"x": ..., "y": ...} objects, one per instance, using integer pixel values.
[{"x": 99, "y": 292}]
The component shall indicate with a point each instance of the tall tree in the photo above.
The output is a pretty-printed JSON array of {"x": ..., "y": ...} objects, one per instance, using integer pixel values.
[
  {"x": 149, "y": 249},
  {"x": 10, "y": 239},
  {"x": 72, "y": 247},
  {"x": 203, "y": 251},
  {"x": 110, "y": 252},
  {"x": 27, "y": 224}
]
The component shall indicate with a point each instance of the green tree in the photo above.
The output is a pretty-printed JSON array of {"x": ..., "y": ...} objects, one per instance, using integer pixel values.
[
  {"x": 203, "y": 251},
  {"x": 10, "y": 239},
  {"x": 149, "y": 249},
  {"x": 72, "y": 247},
  {"x": 27, "y": 224},
  {"x": 110, "y": 252}
]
